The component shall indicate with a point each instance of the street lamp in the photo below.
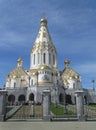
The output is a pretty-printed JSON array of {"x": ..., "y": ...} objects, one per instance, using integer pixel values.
[{"x": 93, "y": 81}]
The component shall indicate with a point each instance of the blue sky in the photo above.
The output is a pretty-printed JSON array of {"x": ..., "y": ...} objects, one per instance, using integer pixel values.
[{"x": 71, "y": 23}]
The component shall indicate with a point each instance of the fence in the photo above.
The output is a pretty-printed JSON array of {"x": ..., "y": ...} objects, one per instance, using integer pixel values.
[
  {"x": 90, "y": 112},
  {"x": 61, "y": 112}
]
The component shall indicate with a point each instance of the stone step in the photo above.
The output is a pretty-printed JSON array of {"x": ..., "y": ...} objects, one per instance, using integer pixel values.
[{"x": 28, "y": 112}]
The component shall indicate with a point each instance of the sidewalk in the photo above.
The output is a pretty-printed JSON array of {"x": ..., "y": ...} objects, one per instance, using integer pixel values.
[{"x": 48, "y": 125}]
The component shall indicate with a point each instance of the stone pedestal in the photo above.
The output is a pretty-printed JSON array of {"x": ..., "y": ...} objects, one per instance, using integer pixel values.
[
  {"x": 3, "y": 95},
  {"x": 46, "y": 104},
  {"x": 80, "y": 104}
]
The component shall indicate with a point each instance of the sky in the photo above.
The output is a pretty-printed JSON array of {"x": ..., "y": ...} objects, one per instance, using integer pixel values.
[{"x": 72, "y": 26}]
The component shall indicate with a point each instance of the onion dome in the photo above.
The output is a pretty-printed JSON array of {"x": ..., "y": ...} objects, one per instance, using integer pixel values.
[
  {"x": 19, "y": 62},
  {"x": 67, "y": 63}
]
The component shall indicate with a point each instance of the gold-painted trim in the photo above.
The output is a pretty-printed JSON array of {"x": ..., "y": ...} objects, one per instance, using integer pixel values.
[
  {"x": 15, "y": 76},
  {"x": 67, "y": 62},
  {"x": 22, "y": 80}
]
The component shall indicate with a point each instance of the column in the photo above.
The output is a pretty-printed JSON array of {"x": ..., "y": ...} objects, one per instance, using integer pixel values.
[
  {"x": 46, "y": 104},
  {"x": 80, "y": 105},
  {"x": 3, "y": 98}
]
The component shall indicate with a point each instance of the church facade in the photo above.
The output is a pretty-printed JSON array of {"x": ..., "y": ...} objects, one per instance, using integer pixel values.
[{"x": 25, "y": 86}]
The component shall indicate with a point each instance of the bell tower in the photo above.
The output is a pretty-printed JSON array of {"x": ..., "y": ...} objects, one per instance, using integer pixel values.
[{"x": 43, "y": 52}]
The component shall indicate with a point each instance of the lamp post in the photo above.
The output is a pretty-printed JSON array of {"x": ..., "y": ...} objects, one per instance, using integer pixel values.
[{"x": 93, "y": 81}]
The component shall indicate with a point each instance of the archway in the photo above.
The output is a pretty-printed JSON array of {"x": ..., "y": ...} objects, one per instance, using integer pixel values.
[
  {"x": 85, "y": 99},
  {"x": 61, "y": 98},
  {"x": 21, "y": 98},
  {"x": 11, "y": 99},
  {"x": 31, "y": 97},
  {"x": 68, "y": 99}
]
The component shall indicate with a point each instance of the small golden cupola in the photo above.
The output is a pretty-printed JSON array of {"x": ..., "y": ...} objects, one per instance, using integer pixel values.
[
  {"x": 43, "y": 22},
  {"x": 19, "y": 62},
  {"x": 67, "y": 63}
]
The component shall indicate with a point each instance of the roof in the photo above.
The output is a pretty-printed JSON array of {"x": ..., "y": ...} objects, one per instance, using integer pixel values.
[
  {"x": 43, "y": 40},
  {"x": 69, "y": 73},
  {"x": 17, "y": 72}
]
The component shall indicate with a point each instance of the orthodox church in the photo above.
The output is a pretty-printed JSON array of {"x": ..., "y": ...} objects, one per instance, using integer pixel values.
[{"x": 25, "y": 86}]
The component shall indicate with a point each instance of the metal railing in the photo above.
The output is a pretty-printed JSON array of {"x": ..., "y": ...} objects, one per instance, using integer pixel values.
[{"x": 13, "y": 110}]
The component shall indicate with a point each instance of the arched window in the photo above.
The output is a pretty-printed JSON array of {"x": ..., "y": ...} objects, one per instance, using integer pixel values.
[
  {"x": 32, "y": 82},
  {"x": 34, "y": 60},
  {"x": 53, "y": 59},
  {"x": 14, "y": 85},
  {"x": 49, "y": 58},
  {"x": 44, "y": 58},
  {"x": 73, "y": 85}
]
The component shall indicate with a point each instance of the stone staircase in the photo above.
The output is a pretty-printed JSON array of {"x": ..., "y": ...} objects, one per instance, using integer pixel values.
[{"x": 28, "y": 112}]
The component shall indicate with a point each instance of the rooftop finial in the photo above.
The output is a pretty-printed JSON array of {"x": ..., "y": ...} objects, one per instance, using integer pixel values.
[
  {"x": 67, "y": 63},
  {"x": 43, "y": 22},
  {"x": 19, "y": 61}
]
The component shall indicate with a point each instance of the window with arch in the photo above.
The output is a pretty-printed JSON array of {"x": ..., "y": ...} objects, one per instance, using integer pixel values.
[
  {"x": 34, "y": 60},
  {"x": 14, "y": 85},
  {"x": 32, "y": 82},
  {"x": 53, "y": 59},
  {"x": 44, "y": 58},
  {"x": 49, "y": 58},
  {"x": 73, "y": 85}
]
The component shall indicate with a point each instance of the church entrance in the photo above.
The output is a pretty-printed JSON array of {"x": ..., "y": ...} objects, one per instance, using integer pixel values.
[
  {"x": 68, "y": 99},
  {"x": 31, "y": 97},
  {"x": 21, "y": 99},
  {"x": 11, "y": 99}
]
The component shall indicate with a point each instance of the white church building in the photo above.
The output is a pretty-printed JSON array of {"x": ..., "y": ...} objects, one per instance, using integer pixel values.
[{"x": 24, "y": 86}]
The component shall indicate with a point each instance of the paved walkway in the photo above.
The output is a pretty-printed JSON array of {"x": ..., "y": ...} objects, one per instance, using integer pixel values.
[{"x": 47, "y": 125}]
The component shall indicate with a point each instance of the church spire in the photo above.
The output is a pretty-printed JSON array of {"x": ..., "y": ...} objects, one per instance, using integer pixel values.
[
  {"x": 43, "y": 36},
  {"x": 43, "y": 51}
]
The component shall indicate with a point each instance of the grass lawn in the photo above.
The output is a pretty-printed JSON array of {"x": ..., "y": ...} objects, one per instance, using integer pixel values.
[
  {"x": 92, "y": 105},
  {"x": 59, "y": 110}
]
